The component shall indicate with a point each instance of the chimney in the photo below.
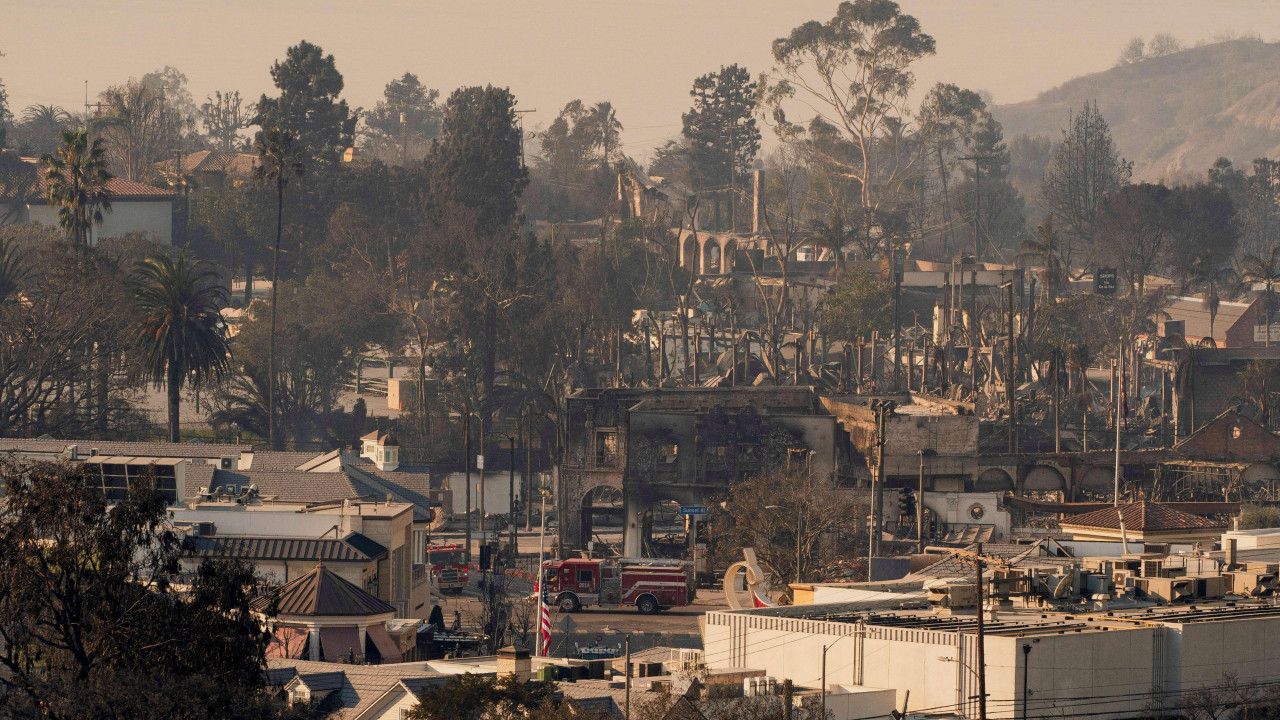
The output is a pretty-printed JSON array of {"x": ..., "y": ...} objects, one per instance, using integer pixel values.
[
  {"x": 513, "y": 661},
  {"x": 1231, "y": 553},
  {"x": 757, "y": 202}
]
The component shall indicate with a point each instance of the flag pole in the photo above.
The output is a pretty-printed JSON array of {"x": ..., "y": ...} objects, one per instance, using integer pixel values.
[{"x": 543, "y": 616}]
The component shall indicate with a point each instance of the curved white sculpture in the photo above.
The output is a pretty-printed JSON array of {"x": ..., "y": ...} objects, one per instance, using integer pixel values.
[{"x": 755, "y": 582}]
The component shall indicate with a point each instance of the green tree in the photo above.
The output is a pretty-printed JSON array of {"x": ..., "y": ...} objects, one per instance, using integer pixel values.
[
  {"x": 279, "y": 162},
  {"x": 402, "y": 125},
  {"x": 858, "y": 305},
  {"x": 92, "y": 624},
  {"x": 721, "y": 129},
  {"x": 1083, "y": 170},
  {"x": 1203, "y": 231},
  {"x": 471, "y": 697},
  {"x": 476, "y": 159},
  {"x": 77, "y": 176},
  {"x": 180, "y": 331},
  {"x": 308, "y": 106}
]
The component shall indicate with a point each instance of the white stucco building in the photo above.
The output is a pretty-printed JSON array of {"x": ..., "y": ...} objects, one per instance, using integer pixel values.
[
  {"x": 1117, "y": 663},
  {"x": 135, "y": 206}
]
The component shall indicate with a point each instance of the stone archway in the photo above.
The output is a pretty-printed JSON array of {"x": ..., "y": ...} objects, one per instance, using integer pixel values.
[
  {"x": 1097, "y": 482},
  {"x": 1044, "y": 479},
  {"x": 993, "y": 480},
  {"x": 712, "y": 256},
  {"x": 730, "y": 248},
  {"x": 689, "y": 256}
]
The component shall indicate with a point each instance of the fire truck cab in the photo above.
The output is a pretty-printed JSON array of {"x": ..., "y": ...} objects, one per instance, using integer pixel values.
[
  {"x": 648, "y": 584},
  {"x": 448, "y": 566}
]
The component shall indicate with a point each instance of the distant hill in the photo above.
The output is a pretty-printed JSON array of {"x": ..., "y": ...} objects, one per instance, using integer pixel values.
[{"x": 1173, "y": 115}]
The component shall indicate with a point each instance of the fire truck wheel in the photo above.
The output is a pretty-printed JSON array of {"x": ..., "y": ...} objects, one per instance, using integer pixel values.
[
  {"x": 568, "y": 602},
  {"x": 647, "y": 604}
]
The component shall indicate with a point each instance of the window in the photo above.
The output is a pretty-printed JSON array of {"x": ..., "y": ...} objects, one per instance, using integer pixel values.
[
  {"x": 668, "y": 453},
  {"x": 584, "y": 576},
  {"x": 607, "y": 448}
]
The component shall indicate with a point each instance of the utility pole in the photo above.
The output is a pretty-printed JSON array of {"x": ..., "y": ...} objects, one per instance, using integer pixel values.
[
  {"x": 1119, "y": 395},
  {"x": 982, "y": 654},
  {"x": 920, "y": 508},
  {"x": 1008, "y": 376},
  {"x": 977, "y": 201},
  {"x": 898, "y": 267},
  {"x": 466, "y": 463},
  {"x": 883, "y": 409},
  {"x": 626, "y": 703},
  {"x": 520, "y": 119},
  {"x": 404, "y": 139}
]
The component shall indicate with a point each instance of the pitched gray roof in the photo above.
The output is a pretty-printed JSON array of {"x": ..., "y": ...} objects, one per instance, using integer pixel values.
[
  {"x": 293, "y": 486},
  {"x": 279, "y": 461},
  {"x": 132, "y": 449},
  {"x": 364, "y": 684},
  {"x": 322, "y": 593},
  {"x": 353, "y": 548}
]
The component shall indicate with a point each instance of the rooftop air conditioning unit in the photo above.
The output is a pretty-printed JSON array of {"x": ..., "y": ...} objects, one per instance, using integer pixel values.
[
  {"x": 1151, "y": 568},
  {"x": 227, "y": 463}
]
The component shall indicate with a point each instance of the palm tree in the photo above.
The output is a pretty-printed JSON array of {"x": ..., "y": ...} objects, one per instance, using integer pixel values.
[
  {"x": 52, "y": 117},
  {"x": 181, "y": 327},
  {"x": 833, "y": 234},
  {"x": 1216, "y": 283},
  {"x": 1258, "y": 269},
  {"x": 1079, "y": 359},
  {"x": 278, "y": 162},
  {"x": 1046, "y": 249},
  {"x": 76, "y": 177}
]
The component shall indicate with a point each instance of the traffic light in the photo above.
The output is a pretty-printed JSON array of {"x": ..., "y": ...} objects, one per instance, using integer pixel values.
[
  {"x": 486, "y": 556},
  {"x": 907, "y": 500},
  {"x": 893, "y": 506}
]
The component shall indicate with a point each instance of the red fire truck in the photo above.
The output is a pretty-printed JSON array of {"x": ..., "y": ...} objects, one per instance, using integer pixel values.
[
  {"x": 649, "y": 584},
  {"x": 448, "y": 564}
]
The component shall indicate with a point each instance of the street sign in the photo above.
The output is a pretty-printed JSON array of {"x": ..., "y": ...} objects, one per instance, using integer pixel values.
[
  {"x": 693, "y": 509},
  {"x": 567, "y": 625},
  {"x": 1105, "y": 281},
  {"x": 479, "y": 462}
]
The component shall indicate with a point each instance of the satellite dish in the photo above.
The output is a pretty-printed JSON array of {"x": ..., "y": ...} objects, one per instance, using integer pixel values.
[{"x": 1062, "y": 587}]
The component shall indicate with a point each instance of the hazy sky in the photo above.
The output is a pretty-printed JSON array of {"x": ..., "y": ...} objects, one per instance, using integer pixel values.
[{"x": 640, "y": 54}]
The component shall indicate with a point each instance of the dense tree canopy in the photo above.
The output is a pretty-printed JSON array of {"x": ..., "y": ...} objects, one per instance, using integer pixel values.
[{"x": 308, "y": 105}]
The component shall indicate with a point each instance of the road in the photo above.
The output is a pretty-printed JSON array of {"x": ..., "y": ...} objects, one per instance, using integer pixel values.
[{"x": 676, "y": 627}]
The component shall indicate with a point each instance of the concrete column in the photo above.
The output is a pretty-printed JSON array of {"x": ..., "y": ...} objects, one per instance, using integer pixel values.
[
  {"x": 313, "y": 640},
  {"x": 632, "y": 532}
]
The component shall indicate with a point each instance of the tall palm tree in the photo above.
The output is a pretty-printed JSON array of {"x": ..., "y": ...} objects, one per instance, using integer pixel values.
[
  {"x": 833, "y": 234},
  {"x": 181, "y": 327},
  {"x": 1045, "y": 248},
  {"x": 1217, "y": 284},
  {"x": 279, "y": 161},
  {"x": 76, "y": 177},
  {"x": 1259, "y": 269}
]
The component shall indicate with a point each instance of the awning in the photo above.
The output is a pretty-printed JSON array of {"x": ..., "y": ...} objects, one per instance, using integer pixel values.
[
  {"x": 340, "y": 642},
  {"x": 289, "y": 642},
  {"x": 386, "y": 647}
]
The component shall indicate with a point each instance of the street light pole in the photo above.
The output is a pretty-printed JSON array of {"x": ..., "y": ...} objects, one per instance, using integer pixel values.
[{"x": 823, "y": 690}]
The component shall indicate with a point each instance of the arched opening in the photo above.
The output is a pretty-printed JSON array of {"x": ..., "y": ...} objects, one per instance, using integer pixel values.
[
  {"x": 601, "y": 513},
  {"x": 993, "y": 480},
  {"x": 1260, "y": 481},
  {"x": 1098, "y": 483},
  {"x": 726, "y": 263},
  {"x": 1044, "y": 481},
  {"x": 711, "y": 256},
  {"x": 689, "y": 258}
]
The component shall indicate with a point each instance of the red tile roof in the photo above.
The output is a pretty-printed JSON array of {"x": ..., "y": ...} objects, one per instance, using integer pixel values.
[
  {"x": 1141, "y": 516},
  {"x": 35, "y": 188}
]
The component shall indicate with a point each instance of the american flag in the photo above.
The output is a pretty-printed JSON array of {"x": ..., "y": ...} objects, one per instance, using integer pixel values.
[{"x": 544, "y": 621}]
